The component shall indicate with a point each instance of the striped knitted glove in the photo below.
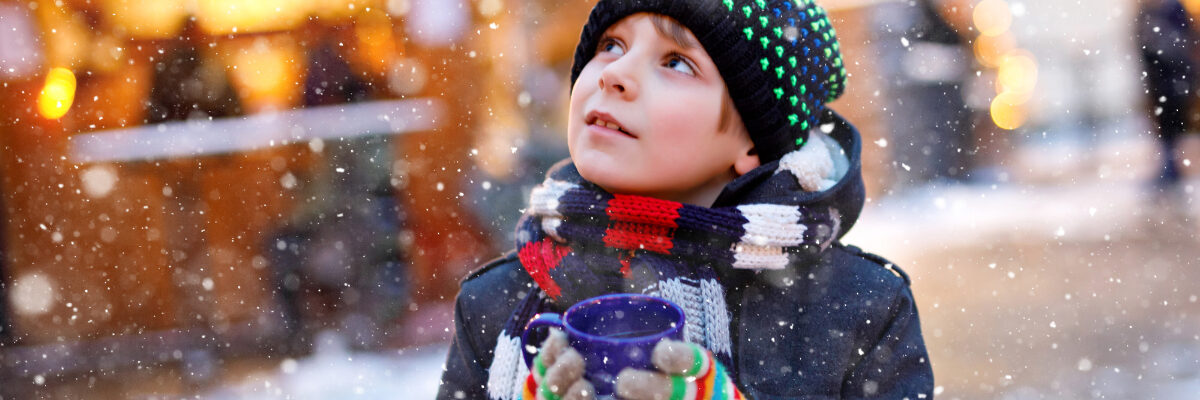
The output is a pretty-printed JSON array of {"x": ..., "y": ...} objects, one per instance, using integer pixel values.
[
  {"x": 557, "y": 372},
  {"x": 686, "y": 372}
]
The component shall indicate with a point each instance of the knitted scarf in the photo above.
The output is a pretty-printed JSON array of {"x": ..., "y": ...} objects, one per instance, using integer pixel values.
[{"x": 577, "y": 241}]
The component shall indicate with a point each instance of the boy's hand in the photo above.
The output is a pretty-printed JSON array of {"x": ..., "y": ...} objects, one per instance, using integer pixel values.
[
  {"x": 557, "y": 372},
  {"x": 686, "y": 371}
]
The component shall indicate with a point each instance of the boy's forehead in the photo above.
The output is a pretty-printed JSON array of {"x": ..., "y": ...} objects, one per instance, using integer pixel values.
[{"x": 665, "y": 26}]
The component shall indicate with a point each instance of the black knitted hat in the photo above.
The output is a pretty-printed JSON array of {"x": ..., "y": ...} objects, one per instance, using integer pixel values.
[{"x": 780, "y": 59}]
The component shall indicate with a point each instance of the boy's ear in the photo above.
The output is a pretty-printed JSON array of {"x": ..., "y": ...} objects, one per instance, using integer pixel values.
[{"x": 746, "y": 162}]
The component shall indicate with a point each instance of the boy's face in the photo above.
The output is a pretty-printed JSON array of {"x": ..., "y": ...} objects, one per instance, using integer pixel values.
[{"x": 664, "y": 98}]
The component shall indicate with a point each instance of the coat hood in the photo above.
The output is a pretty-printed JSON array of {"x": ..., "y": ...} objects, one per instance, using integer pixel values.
[{"x": 773, "y": 183}]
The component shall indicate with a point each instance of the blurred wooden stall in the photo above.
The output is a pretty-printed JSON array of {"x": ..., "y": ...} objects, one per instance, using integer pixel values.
[{"x": 128, "y": 260}]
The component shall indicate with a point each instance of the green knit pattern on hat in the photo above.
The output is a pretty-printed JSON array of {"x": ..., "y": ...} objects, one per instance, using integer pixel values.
[{"x": 780, "y": 36}]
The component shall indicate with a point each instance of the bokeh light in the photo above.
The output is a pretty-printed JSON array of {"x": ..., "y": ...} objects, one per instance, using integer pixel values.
[
  {"x": 147, "y": 19},
  {"x": 376, "y": 41},
  {"x": 1192, "y": 6},
  {"x": 99, "y": 180},
  {"x": 992, "y": 17},
  {"x": 58, "y": 94},
  {"x": 1008, "y": 111},
  {"x": 264, "y": 70},
  {"x": 1017, "y": 74},
  {"x": 33, "y": 294},
  {"x": 67, "y": 38},
  {"x": 242, "y": 16},
  {"x": 990, "y": 50},
  {"x": 338, "y": 9}
]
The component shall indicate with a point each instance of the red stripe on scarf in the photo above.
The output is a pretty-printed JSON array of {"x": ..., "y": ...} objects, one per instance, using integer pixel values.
[
  {"x": 641, "y": 223},
  {"x": 539, "y": 258}
]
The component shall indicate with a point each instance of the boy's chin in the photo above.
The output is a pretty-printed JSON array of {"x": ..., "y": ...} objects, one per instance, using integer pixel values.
[{"x": 612, "y": 180}]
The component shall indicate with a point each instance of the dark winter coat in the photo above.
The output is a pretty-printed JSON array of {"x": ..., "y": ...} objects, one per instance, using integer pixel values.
[
  {"x": 838, "y": 324},
  {"x": 1167, "y": 42}
]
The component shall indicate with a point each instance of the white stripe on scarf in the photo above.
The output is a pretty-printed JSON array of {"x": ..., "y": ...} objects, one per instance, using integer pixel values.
[
  {"x": 506, "y": 376},
  {"x": 543, "y": 200},
  {"x": 768, "y": 229}
]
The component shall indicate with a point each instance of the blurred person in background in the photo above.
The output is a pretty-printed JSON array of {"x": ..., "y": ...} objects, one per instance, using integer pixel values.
[
  {"x": 337, "y": 259},
  {"x": 1167, "y": 42},
  {"x": 928, "y": 63}
]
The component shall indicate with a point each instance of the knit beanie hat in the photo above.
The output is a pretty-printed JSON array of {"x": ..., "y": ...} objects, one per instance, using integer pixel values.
[{"x": 780, "y": 59}]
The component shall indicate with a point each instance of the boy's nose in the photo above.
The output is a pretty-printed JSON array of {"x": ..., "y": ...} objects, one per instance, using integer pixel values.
[
  {"x": 616, "y": 86},
  {"x": 617, "y": 78}
]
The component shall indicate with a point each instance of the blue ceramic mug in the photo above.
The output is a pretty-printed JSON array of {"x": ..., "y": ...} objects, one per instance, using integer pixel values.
[{"x": 611, "y": 332}]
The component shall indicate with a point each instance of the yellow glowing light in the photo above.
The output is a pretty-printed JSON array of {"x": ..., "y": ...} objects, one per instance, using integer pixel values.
[
  {"x": 147, "y": 19},
  {"x": 1008, "y": 111},
  {"x": 338, "y": 9},
  {"x": 990, "y": 50},
  {"x": 1017, "y": 74},
  {"x": 992, "y": 17},
  {"x": 266, "y": 71},
  {"x": 58, "y": 94},
  {"x": 225, "y": 17}
]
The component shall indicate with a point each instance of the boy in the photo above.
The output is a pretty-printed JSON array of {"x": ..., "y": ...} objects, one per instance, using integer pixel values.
[{"x": 704, "y": 169}]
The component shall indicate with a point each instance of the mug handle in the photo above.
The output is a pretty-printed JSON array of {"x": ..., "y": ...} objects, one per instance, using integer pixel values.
[{"x": 543, "y": 320}]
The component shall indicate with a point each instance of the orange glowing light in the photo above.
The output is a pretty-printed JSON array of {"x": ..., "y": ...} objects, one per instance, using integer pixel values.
[
  {"x": 147, "y": 19},
  {"x": 224, "y": 17},
  {"x": 376, "y": 42},
  {"x": 66, "y": 34},
  {"x": 1017, "y": 74},
  {"x": 56, "y": 97},
  {"x": 992, "y": 17},
  {"x": 990, "y": 50},
  {"x": 266, "y": 70},
  {"x": 332, "y": 10},
  {"x": 1008, "y": 111},
  {"x": 1192, "y": 6}
]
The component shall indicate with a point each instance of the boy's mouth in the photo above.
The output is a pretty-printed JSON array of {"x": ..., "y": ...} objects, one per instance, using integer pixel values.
[{"x": 604, "y": 120}]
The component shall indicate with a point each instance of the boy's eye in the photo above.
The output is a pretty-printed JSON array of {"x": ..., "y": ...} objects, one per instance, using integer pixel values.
[
  {"x": 679, "y": 64},
  {"x": 610, "y": 45}
]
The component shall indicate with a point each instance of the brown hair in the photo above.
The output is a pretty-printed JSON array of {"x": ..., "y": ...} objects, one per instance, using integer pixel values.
[{"x": 672, "y": 29}]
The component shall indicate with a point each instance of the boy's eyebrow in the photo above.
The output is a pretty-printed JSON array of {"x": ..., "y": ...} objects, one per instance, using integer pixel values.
[{"x": 673, "y": 30}]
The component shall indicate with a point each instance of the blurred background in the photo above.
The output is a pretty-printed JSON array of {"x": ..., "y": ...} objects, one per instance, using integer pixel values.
[{"x": 248, "y": 199}]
